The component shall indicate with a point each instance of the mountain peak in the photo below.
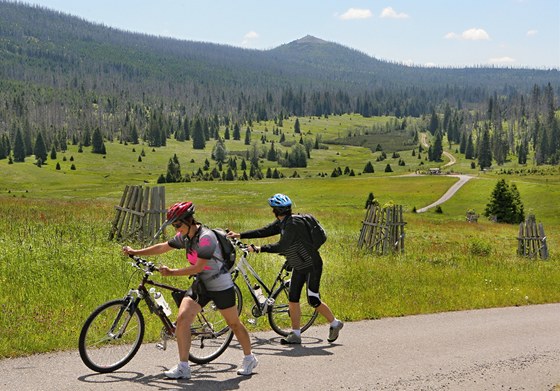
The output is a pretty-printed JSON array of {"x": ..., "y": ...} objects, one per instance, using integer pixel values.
[{"x": 309, "y": 39}]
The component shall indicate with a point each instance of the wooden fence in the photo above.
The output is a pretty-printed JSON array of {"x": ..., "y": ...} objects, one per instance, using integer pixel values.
[
  {"x": 531, "y": 241},
  {"x": 383, "y": 230},
  {"x": 140, "y": 214}
]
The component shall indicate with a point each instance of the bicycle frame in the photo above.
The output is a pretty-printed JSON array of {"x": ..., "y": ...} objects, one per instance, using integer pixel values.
[
  {"x": 247, "y": 272},
  {"x": 142, "y": 293}
]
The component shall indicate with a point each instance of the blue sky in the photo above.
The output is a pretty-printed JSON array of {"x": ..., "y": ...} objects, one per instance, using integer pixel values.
[{"x": 455, "y": 33}]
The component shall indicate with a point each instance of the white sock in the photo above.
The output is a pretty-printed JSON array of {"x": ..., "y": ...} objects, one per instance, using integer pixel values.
[
  {"x": 335, "y": 322},
  {"x": 184, "y": 364},
  {"x": 297, "y": 332}
]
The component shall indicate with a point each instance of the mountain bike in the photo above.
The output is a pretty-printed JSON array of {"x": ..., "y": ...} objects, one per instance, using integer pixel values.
[
  {"x": 113, "y": 333},
  {"x": 271, "y": 301}
]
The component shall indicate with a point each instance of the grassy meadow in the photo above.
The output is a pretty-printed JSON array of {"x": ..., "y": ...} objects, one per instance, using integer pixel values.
[{"x": 56, "y": 264}]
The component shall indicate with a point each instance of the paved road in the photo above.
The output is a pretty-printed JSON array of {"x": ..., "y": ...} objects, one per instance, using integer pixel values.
[
  {"x": 453, "y": 189},
  {"x": 514, "y": 348},
  {"x": 449, "y": 193}
]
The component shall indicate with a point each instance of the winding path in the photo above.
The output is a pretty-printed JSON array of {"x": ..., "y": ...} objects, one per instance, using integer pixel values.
[
  {"x": 453, "y": 189},
  {"x": 449, "y": 193}
]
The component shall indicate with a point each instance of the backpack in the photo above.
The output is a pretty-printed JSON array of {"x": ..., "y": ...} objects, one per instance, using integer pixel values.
[
  {"x": 316, "y": 231},
  {"x": 227, "y": 247}
]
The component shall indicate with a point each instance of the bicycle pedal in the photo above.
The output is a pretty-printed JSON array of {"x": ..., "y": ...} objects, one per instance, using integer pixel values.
[{"x": 162, "y": 345}]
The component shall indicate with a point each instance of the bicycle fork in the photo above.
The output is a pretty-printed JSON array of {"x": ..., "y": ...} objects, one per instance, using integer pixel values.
[{"x": 127, "y": 311}]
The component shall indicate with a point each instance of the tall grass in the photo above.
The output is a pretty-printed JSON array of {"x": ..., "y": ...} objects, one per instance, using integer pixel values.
[{"x": 56, "y": 264}]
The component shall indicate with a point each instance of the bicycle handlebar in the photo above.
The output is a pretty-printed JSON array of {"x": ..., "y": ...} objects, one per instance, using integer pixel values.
[
  {"x": 138, "y": 262},
  {"x": 242, "y": 246}
]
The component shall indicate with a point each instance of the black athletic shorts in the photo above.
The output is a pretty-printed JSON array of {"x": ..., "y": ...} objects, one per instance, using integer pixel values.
[
  {"x": 312, "y": 278},
  {"x": 223, "y": 299}
]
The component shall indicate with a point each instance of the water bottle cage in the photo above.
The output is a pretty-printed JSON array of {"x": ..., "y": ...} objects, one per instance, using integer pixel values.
[{"x": 153, "y": 306}]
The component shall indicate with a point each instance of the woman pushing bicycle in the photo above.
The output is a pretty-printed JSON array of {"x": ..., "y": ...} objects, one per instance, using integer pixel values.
[
  {"x": 213, "y": 284},
  {"x": 305, "y": 260}
]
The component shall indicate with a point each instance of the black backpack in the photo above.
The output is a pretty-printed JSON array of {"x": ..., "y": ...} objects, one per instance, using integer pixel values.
[
  {"x": 317, "y": 233},
  {"x": 228, "y": 249}
]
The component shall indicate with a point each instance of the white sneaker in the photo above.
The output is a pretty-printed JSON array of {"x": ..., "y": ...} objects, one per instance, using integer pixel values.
[
  {"x": 249, "y": 363},
  {"x": 333, "y": 332},
  {"x": 179, "y": 372}
]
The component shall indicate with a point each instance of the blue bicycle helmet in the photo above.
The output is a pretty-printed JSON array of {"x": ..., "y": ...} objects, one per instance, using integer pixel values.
[{"x": 280, "y": 201}]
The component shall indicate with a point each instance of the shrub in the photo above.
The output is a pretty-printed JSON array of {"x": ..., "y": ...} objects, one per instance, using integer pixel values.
[{"x": 479, "y": 248}]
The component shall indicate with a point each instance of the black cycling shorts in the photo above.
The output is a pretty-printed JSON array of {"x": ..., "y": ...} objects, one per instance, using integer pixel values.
[
  {"x": 223, "y": 299},
  {"x": 311, "y": 278}
]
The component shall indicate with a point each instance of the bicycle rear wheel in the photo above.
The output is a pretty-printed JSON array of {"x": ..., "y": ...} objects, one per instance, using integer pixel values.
[
  {"x": 210, "y": 333},
  {"x": 279, "y": 313},
  {"x": 111, "y": 336}
]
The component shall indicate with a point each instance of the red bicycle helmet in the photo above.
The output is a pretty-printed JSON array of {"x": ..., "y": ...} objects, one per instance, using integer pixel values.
[{"x": 179, "y": 211}]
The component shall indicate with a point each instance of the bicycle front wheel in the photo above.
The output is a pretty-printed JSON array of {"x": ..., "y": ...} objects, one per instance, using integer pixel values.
[
  {"x": 210, "y": 334},
  {"x": 111, "y": 336},
  {"x": 279, "y": 313}
]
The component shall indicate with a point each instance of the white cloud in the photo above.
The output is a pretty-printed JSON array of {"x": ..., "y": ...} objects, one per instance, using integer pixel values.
[
  {"x": 475, "y": 35},
  {"x": 532, "y": 33},
  {"x": 389, "y": 12},
  {"x": 501, "y": 60},
  {"x": 356, "y": 13},
  {"x": 250, "y": 36},
  {"x": 469, "y": 35}
]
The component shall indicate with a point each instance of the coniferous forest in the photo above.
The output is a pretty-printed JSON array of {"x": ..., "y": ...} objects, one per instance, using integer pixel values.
[{"x": 64, "y": 80}]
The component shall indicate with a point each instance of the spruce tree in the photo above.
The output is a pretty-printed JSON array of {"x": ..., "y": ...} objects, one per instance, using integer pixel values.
[
  {"x": 86, "y": 139},
  {"x": 98, "y": 146},
  {"x": 173, "y": 171},
  {"x": 469, "y": 148},
  {"x": 297, "y": 156},
  {"x": 368, "y": 169},
  {"x": 28, "y": 145},
  {"x": 248, "y": 137},
  {"x": 4, "y": 152},
  {"x": 198, "y": 138},
  {"x": 505, "y": 204},
  {"x": 40, "y": 150},
  {"x": 236, "y": 132},
  {"x": 229, "y": 175},
  {"x": 437, "y": 148},
  {"x": 219, "y": 152},
  {"x": 434, "y": 122},
  {"x": 271, "y": 155},
  {"x": 485, "y": 151}
]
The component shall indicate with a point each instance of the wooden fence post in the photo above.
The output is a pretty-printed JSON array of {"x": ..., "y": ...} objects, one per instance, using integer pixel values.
[
  {"x": 531, "y": 240},
  {"x": 140, "y": 214},
  {"x": 383, "y": 229}
]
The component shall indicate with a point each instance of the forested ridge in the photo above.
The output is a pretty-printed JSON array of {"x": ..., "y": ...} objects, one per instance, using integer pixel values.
[{"x": 62, "y": 78}]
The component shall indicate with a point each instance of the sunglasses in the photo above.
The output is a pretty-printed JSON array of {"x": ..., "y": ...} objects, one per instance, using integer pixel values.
[{"x": 177, "y": 225}]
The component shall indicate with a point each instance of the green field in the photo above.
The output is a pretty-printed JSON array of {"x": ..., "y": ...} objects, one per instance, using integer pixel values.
[{"x": 56, "y": 264}]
